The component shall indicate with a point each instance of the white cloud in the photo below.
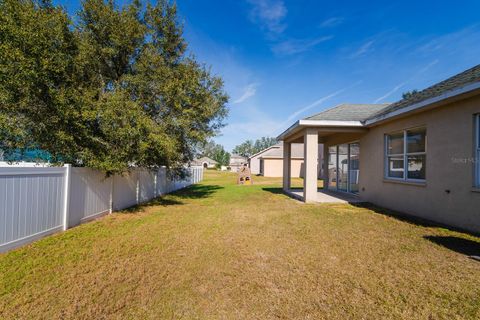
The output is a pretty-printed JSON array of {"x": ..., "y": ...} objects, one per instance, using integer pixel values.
[
  {"x": 389, "y": 93},
  {"x": 294, "y": 46},
  {"x": 249, "y": 91},
  {"x": 332, "y": 22},
  {"x": 269, "y": 14},
  {"x": 253, "y": 124},
  {"x": 401, "y": 85},
  {"x": 316, "y": 103},
  {"x": 294, "y": 115},
  {"x": 451, "y": 41},
  {"x": 253, "y": 129},
  {"x": 364, "y": 48}
]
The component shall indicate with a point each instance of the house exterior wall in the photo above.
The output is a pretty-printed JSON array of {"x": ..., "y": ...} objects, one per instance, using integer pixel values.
[
  {"x": 254, "y": 164},
  {"x": 274, "y": 168},
  {"x": 237, "y": 162},
  {"x": 209, "y": 165},
  {"x": 450, "y": 136}
]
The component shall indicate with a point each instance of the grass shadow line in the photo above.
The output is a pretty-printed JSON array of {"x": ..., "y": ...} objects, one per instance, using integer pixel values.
[
  {"x": 190, "y": 192},
  {"x": 158, "y": 201},
  {"x": 197, "y": 191},
  {"x": 460, "y": 245},
  {"x": 275, "y": 190}
]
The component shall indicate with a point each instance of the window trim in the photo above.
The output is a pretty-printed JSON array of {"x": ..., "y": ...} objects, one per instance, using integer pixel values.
[
  {"x": 477, "y": 150},
  {"x": 404, "y": 155}
]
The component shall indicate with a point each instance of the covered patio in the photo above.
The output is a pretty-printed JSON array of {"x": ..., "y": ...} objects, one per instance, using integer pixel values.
[{"x": 339, "y": 130}]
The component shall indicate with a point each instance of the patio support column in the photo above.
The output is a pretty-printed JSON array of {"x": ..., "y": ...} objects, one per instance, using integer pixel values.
[
  {"x": 286, "y": 165},
  {"x": 310, "y": 144}
]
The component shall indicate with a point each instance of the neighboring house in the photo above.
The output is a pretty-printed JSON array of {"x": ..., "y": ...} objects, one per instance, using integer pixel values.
[
  {"x": 419, "y": 156},
  {"x": 269, "y": 162},
  {"x": 236, "y": 162},
  {"x": 205, "y": 162}
]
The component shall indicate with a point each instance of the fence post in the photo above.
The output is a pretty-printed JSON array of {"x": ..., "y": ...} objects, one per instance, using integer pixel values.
[
  {"x": 66, "y": 195},
  {"x": 110, "y": 209},
  {"x": 137, "y": 191},
  {"x": 155, "y": 183}
]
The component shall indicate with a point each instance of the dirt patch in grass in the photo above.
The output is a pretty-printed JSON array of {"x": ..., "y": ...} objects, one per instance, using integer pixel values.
[{"x": 222, "y": 251}]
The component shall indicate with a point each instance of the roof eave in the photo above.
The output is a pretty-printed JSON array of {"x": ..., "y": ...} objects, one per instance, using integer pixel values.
[
  {"x": 300, "y": 124},
  {"x": 264, "y": 150},
  {"x": 424, "y": 104},
  {"x": 292, "y": 129}
]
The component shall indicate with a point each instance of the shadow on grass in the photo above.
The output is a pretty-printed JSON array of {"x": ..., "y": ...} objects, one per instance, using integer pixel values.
[
  {"x": 273, "y": 190},
  {"x": 160, "y": 201},
  {"x": 197, "y": 191},
  {"x": 192, "y": 192},
  {"x": 279, "y": 190},
  {"x": 460, "y": 245}
]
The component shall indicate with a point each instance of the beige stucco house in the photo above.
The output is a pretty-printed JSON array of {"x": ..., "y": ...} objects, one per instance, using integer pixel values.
[
  {"x": 419, "y": 156},
  {"x": 269, "y": 162},
  {"x": 236, "y": 162},
  {"x": 205, "y": 162}
]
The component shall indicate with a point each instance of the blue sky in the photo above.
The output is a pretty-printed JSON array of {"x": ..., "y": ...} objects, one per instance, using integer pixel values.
[{"x": 283, "y": 60}]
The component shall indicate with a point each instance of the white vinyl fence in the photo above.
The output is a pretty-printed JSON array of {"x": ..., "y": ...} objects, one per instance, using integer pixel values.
[{"x": 36, "y": 201}]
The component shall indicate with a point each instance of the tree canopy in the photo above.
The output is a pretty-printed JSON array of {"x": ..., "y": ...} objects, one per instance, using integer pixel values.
[
  {"x": 409, "y": 94},
  {"x": 250, "y": 147},
  {"x": 112, "y": 90}
]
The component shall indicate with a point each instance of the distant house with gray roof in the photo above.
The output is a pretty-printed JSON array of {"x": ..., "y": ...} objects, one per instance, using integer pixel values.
[
  {"x": 236, "y": 162},
  {"x": 205, "y": 162},
  {"x": 269, "y": 162}
]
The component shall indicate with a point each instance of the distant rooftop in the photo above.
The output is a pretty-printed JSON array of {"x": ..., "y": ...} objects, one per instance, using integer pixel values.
[
  {"x": 237, "y": 156},
  {"x": 349, "y": 112}
]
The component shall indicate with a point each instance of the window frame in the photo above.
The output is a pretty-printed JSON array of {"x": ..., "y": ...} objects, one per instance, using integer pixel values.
[
  {"x": 404, "y": 155},
  {"x": 477, "y": 150}
]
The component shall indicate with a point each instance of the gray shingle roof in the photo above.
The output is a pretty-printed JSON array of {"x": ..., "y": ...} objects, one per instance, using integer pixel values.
[
  {"x": 277, "y": 152},
  {"x": 349, "y": 112},
  {"x": 460, "y": 80}
]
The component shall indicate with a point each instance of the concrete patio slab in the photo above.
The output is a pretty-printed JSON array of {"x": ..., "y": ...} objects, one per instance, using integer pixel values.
[{"x": 326, "y": 196}]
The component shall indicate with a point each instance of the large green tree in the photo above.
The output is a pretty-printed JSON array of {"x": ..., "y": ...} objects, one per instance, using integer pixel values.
[
  {"x": 115, "y": 89},
  {"x": 37, "y": 78}
]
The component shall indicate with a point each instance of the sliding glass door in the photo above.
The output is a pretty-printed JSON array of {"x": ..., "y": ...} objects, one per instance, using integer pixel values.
[
  {"x": 353, "y": 167},
  {"x": 344, "y": 167},
  {"x": 332, "y": 167}
]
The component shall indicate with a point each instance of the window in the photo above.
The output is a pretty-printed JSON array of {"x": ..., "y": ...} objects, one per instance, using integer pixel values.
[
  {"x": 406, "y": 155},
  {"x": 477, "y": 150}
]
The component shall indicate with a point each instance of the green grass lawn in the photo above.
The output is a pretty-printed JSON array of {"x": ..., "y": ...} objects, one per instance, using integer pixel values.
[{"x": 222, "y": 251}]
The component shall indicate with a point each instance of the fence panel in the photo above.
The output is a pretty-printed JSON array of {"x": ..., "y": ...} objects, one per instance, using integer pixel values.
[
  {"x": 162, "y": 183},
  {"x": 125, "y": 190},
  {"x": 31, "y": 204},
  {"x": 38, "y": 200},
  {"x": 146, "y": 182},
  {"x": 90, "y": 195}
]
